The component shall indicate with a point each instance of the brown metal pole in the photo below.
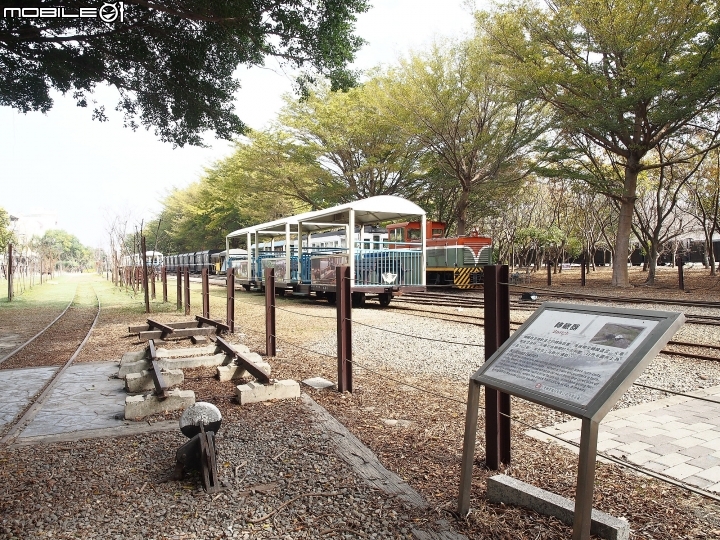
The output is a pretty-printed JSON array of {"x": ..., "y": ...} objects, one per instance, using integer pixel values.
[
  {"x": 152, "y": 284},
  {"x": 270, "y": 349},
  {"x": 681, "y": 276},
  {"x": 205, "y": 293},
  {"x": 344, "y": 327},
  {"x": 492, "y": 400},
  {"x": 582, "y": 270},
  {"x": 145, "y": 274},
  {"x": 10, "y": 272},
  {"x": 231, "y": 299},
  {"x": 179, "y": 287},
  {"x": 549, "y": 273},
  {"x": 187, "y": 290},
  {"x": 503, "y": 334},
  {"x": 163, "y": 276}
]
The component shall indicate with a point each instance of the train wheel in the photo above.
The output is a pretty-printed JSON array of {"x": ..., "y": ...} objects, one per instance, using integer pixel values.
[
  {"x": 358, "y": 299},
  {"x": 330, "y": 297},
  {"x": 384, "y": 299},
  {"x": 246, "y": 287}
]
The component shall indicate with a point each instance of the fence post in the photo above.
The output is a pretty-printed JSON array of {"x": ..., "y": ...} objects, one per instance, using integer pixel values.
[
  {"x": 163, "y": 276},
  {"x": 187, "y": 290},
  {"x": 145, "y": 274},
  {"x": 582, "y": 270},
  {"x": 205, "y": 293},
  {"x": 497, "y": 331},
  {"x": 270, "y": 349},
  {"x": 549, "y": 273},
  {"x": 344, "y": 327},
  {"x": 10, "y": 272},
  {"x": 179, "y": 287},
  {"x": 231, "y": 299},
  {"x": 681, "y": 276},
  {"x": 152, "y": 284}
]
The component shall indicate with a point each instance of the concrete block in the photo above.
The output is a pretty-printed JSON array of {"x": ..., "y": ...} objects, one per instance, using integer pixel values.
[
  {"x": 319, "y": 383},
  {"x": 202, "y": 340},
  {"x": 186, "y": 351},
  {"x": 233, "y": 371},
  {"x": 254, "y": 392},
  {"x": 508, "y": 490},
  {"x": 138, "y": 407},
  {"x": 139, "y": 382},
  {"x": 132, "y": 356},
  {"x": 174, "y": 363}
]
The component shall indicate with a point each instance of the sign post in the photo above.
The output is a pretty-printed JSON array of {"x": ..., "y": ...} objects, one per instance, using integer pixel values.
[{"x": 576, "y": 359}]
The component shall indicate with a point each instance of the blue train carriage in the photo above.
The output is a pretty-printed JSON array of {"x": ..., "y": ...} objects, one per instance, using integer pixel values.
[{"x": 306, "y": 265}]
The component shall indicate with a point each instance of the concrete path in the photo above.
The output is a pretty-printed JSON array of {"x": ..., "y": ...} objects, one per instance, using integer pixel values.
[
  {"x": 18, "y": 386},
  {"x": 678, "y": 437},
  {"x": 84, "y": 398}
]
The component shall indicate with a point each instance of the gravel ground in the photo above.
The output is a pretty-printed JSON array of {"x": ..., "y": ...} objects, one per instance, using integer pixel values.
[{"x": 273, "y": 454}]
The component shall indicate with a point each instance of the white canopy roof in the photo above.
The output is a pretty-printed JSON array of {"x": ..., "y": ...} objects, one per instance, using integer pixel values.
[{"x": 371, "y": 210}]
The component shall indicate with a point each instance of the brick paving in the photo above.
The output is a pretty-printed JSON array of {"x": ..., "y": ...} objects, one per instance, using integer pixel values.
[{"x": 678, "y": 437}]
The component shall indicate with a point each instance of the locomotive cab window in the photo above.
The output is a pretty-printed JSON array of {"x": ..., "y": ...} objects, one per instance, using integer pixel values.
[
  {"x": 437, "y": 233},
  {"x": 413, "y": 235},
  {"x": 397, "y": 235}
]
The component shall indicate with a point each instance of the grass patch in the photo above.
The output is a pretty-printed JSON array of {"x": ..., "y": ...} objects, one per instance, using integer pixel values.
[{"x": 52, "y": 294}]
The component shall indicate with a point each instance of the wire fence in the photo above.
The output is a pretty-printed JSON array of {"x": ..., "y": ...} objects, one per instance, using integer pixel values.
[{"x": 514, "y": 418}]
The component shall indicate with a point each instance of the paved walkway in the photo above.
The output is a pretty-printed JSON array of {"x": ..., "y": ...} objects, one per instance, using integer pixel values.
[
  {"x": 17, "y": 386},
  {"x": 678, "y": 437}
]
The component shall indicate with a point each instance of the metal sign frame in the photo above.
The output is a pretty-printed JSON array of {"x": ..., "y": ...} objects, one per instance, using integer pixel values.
[{"x": 667, "y": 323}]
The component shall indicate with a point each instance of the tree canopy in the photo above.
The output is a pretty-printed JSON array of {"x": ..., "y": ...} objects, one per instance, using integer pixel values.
[
  {"x": 624, "y": 75},
  {"x": 172, "y": 61}
]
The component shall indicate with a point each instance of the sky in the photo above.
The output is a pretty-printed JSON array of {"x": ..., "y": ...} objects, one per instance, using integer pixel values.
[{"x": 86, "y": 172}]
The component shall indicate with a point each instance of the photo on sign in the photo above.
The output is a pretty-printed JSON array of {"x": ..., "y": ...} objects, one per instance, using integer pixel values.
[{"x": 616, "y": 335}]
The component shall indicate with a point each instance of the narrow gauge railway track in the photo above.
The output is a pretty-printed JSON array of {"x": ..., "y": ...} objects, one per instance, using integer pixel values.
[
  {"x": 479, "y": 322},
  {"x": 10, "y": 431},
  {"x": 476, "y": 301}
]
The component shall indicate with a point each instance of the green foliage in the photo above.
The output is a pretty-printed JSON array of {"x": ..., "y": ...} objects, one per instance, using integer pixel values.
[
  {"x": 173, "y": 63},
  {"x": 6, "y": 234},
  {"x": 58, "y": 246}
]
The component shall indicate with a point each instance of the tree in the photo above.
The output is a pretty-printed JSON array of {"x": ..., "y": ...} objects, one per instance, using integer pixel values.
[
  {"x": 172, "y": 62},
  {"x": 362, "y": 150},
  {"x": 626, "y": 75},
  {"x": 58, "y": 246},
  {"x": 456, "y": 103},
  {"x": 6, "y": 234}
]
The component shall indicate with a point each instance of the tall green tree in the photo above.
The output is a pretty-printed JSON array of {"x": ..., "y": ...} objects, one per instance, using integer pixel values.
[
  {"x": 625, "y": 75},
  {"x": 171, "y": 61},
  {"x": 6, "y": 234},
  {"x": 456, "y": 103},
  {"x": 359, "y": 147}
]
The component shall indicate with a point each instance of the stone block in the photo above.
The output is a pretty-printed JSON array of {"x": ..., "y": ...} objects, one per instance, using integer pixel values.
[
  {"x": 233, "y": 371},
  {"x": 138, "y": 407},
  {"x": 139, "y": 382},
  {"x": 133, "y": 367},
  {"x": 505, "y": 489},
  {"x": 132, "y": 356},
  {"x": 174, "y": 363},
  {"x": 319, "y": 383},
  {"x": 254, "y": 392}
]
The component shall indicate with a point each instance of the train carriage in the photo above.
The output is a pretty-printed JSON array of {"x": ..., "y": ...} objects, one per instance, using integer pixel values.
[{"x": 376, "y": 268}]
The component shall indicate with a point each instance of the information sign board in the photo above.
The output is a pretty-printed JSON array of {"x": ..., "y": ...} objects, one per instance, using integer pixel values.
[{"x": 578, "y": 359}]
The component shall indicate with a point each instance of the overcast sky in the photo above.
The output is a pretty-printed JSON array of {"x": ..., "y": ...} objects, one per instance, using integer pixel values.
[{"x": 86, "y": 172}]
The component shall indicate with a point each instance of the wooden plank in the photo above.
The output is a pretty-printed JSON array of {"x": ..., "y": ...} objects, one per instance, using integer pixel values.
[
  {"x": 221, "y": 327},
  {"x": 160, "y": 326},
  {"x": 181, "y": 333},
  {"x": 158, "y": 379},
  {"x": 175, "y": 325},
  {"x": 242, "y": 360}
]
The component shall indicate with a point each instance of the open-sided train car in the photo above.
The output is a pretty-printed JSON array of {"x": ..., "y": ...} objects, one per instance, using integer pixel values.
[{"x": 377, "y": 270}]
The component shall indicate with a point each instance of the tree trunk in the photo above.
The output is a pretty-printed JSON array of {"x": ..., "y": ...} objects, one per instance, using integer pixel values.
[
  {"x": 622, "y": 242},
  {"x": 652, "y": 263},
  {"x": 462, "y": 206}
]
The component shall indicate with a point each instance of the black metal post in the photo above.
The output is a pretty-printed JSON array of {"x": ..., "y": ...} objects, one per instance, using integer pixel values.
[
  {"x": 582, "y": 270},
  {"x": 231, "y": 299},
  {"x": 344, "y": 328},
  {"x": 163, "y": 276},
  {"x": 270, "y": 348},
  {"x": 492, "y": 401},
  {"x": 549, "y": 273},
  {"x": 503, "y": 334}
]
